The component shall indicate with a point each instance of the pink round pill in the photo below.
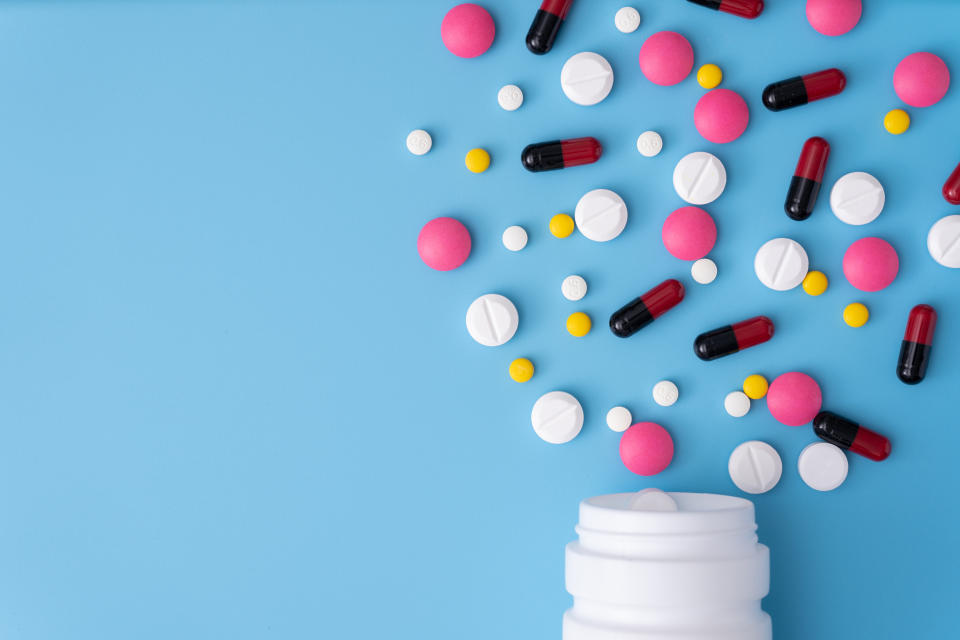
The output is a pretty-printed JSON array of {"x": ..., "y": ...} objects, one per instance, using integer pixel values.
[
  {"x": 689, "y": 233},
  {"x": 921, "y": 79},
  {"x": 666, "y": 58},
  {"x": 721, "y": 115},
  {"x": 871, "y": 264},
  {"x": 646, "y": 448},
  {"x": 794, "y": 398},
  {"x": 467, "y": 30},
  {"x": 443, "y": 244},
  {"x": 833, "y": 17}
]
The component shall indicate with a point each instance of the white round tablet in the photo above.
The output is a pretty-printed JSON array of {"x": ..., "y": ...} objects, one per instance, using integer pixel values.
[
  {"x": 943, "y": 241},
  {"x": 651, "y": 499},
  {"x": 737, "y": 404},
  {"x": 650, "y": 143},
  {"x": 755, "y": 467},
  {"x": 781, "y": 264},
  {"x": 510, "y": 97},
  {"x": 601, "y": 215},
  {"x": 627, "y": 19},
  {"x": 419, "y": 142},
  {"x": 665, "y": 393},
  {"x": 492, "y": 320},
  {"x": 699, "y": 177},
  {"x": 586, "y": 78},
  {"x": 515, "y": 238},
  {"x": 557, "y": 417},
  {"x": 823, "y": 466},
  {"x": 573, "y": 288},
  {"x": 619, "y": 418},
  {"x": 857, "y": 198},
  {"x": 704, "y": 270}
]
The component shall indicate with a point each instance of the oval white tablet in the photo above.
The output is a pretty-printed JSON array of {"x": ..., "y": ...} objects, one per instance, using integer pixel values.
[
  {"x": 857, "y": 198},
  {"x": 737, "y": 404},
  {"x": 573, "y": 288},
  {"x": 823, "y": 466},
  {"x": 419, "y": 142},
  {"x": 627, "y": 19},
  {"x": 601, "y": 215},
  {"x": 492, "y": 320},
  {"x": 557, "y": 417},
  {"x": 650, "y": 143},
  {"x": 699, "y": 177},
  {"x": 943, "y": 241},
  {"x": 619, "y": 419},
  {"x": 653, "y": 500},
  {"x": 704, "y": 271},
  {"x": 515, "y": 238},
  {"x": 510, "y": 97},
  {"x": 586, "y": 78},
  {"x": 755, "y": 467},
  {"x": 665, "y": 393},
  {"x": 781, "y": 264}
]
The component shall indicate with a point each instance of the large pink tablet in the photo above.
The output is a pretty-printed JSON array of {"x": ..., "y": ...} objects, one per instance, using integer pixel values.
[
  {"x": 467, "y": 30},
  {"x": 794, "y": 398},
  {"x": 721, "y": 115},
  {"x": 443, "y": 244},
  {"x": 666, "y": 58},
  {"x": 921, "y": 79},
  {"x": 833, "y": 17},
  {"x": 646, "y": 448},
  {"x": 871, "y": 264},
  {"x": 689, "y": 233}
]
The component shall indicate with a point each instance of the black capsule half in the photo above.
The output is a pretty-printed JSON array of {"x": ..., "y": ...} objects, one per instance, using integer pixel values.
[{"x": 546, "y": 24}]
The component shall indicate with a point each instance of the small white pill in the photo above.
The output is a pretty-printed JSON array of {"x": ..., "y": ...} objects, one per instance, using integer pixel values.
[
  {"x": 492, "y": 320},
  {"x": 619, "y": 418},
  {"x": 515, "y": 238},
  {"x": 943, "y": 241},
  {"x": 419, "y": 142},
  {"x": 510, "y": 97},
  {"x": 823, "y": 466},
  {"x": 653, "y": 500},
  {"x": 755, "y": 467},
  {"x": 627, "y": 19},
  {"x": 665, "y": 393},
  {"x": 650, "y": 143},
  {"x": 857, "y": 198},
  {"x": 737, "y": 404},
  {"x": 601, "y": 215},
  {"x": 557, "y": 417},
  {"x": 781, "y": 264},
  {"x": 699, "y": 177},
  {"x": 573, "y": 288},
  {"x": 704, "y": 270},
  {"x": 586, "y": 78}
]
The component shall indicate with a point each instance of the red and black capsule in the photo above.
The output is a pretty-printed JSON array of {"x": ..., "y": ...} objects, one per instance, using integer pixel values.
[
  {"x": 805, "y": 185},
  {"x": 560, "y": 154},
  {"x": 641, "y": 311},
  {"x": 951, "y": 188},
  {"x": 743, "y": 8},
  {"x": 733, "y": 337},
  {"x": 794, "y": 92},
  {"x": 917, "y": 340},
  {"x": 546, "y": 24},
  {"x": 847, "y": 434}
]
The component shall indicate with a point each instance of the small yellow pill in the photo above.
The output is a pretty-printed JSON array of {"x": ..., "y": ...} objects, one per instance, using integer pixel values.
[
  {"x": 856, "y": 314},
  {"x": 521, "y": 370},
  {"x": 896, "y": 121},
  {"x": 477, "y": 160},
  {"x": 755, "y": 386},
  {"x": 578, "y": 324},
  {"x": 561, "y": 225},
  {"x": 815, "y": 283},
  {"x": 709, "y": 76}
]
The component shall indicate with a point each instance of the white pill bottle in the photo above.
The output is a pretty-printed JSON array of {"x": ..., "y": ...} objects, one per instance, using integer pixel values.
[{"x": 667, "y": 566}]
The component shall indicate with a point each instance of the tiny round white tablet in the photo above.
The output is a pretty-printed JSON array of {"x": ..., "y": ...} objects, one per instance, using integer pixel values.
[
  {"x": 419, "y": 142},
  {"x": 737, "y": 404},
  {"x": 699, "y": 177},
  {"x": 823, "y": 466},
  {"x": 573, "y": 288},
  {"x": 651, "y": 499},
  {"x": 586, "y": 78},
  {"x": 943, "y": 241},
  {"x": 704, "y": 270},
  {"x": 650, "y": 143},
  {"x": 601, "y": 215},
  {"x": 492, "y": 320},
  {"x": 619, "y": 418},
  {"x": 665, "y": 393},
  {"x": 510, "y": 97},
  {"x": 515, "y": 238},
  {"x": 857, "y": 198},
  {"x": 557, "y": 417},
  {"x": 627, "y": 19},
  {"x": 755, "y": 467},
  {"x": 781, "y": 264}
]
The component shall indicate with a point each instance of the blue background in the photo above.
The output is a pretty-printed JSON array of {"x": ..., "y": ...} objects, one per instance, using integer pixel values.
[{"x": 236, "y": 404}]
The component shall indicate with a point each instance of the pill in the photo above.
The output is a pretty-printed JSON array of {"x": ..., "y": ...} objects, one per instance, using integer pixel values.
[
  {"x": 744, "y": 8},
  {"x": 557, "y": 417},
  {"x": 546, "y": 24},
  {"x": 921, "y": 79},
  {"x": 833, "y": 17},
  {"x": 419, "y": 142},
  {"x": 733, "y": 338},
  {"x": 896, "y": 121},
  {"x": 492, "y": 320},
  {"x": 857, "y": 198},
  {"x": 573, "y": 287},
  {"x": 807, "y": 178},
  {"x": 704, "y": 270},
  {"x": 514, "y": 238},
  {"x": 755, "y": 386},
  {"x": 721, "y": 115},
  {"x": 871, "y": 264},
  {"x": 627, "y": 19},
  {"x": 477, "y": 160},
  {"x": 737, "y": 404},
  {"x": 800, "y": 90},
  {"x": 521, "y": 370},
  {"x": 781, "y": 264},
  {"x": 619, "y": 419},
  {"x": 510, "y": 97},
  {"x": 856, "y": 314},
  {"x": 665, "y": 393},
  {"x": 444, "y": 243},
  {"x": 646, "y": 448},
  {"x": 943, "y": 241},
  {"x": 578, "y": 324},
  {"x": 815, "y": 283},
  {"x": 560, "y": 154},
  {"x": 755, "y": 467},
  {"x": 847, "y": 434},
  {"x": 561, "y": 225},
  {"x": 641, "y": 311},
  {"x": 699, "y": 177},
  {"x": 666, "y": 58},
  {"x": 709, "y": 76},
  {"x": 601, "y": 215},
  {"x": 651, "y": 499},
  {"x": 467, "y": 30},
  {"x": 794, "y": 398},
  {"x": 917, "y": 341},
  {"x": 586, "y": 78},
  {"x": 650, "y": 143},
  {"x": 951, "y": 188},
  {"x": 689, "y": 233},
  {"x": 823, "y": 466}
]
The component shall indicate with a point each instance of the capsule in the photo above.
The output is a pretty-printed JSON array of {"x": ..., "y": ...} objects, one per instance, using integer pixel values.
[
  {"x": 794, "y": 92},
  {"x": 733, "y": 337},
  {"x": 951, "y": 188},
  {"x": 743, "y": 8},
  {"x": 560, "y": 154},
  {"x": 546, "y": 24},
  {"x": 850, "y": 435},
  {"x": 640, "y": 312},
  {"x": 805, "y": 185},
  {"x": 917, "y": 340}
]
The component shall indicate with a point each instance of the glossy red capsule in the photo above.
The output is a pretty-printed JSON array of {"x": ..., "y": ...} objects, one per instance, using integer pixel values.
[
  {"x": 951, "y": 188},
  {"x": 799, "y": 90},
  {"x": 805, "y": 185},
  {"x": 847, "y": 434},
  {"x": 560, "y": 154},
  {"x": 743, "y": 8},
  {"x": 917, "y": 341},
  {"x": 546, "y": 24},
  {"x": 733, "y": 338},
  {"x": 641, "y": 311}
]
